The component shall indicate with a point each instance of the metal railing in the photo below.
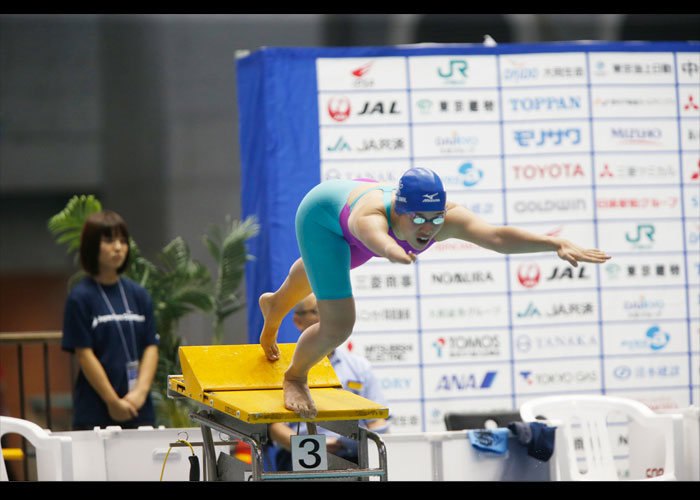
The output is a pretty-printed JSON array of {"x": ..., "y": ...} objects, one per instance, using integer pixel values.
[{"x": 21, "y": 339}]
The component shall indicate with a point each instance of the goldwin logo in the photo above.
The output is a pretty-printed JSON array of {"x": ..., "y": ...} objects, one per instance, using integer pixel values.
[{"x": 430, "y": 198}]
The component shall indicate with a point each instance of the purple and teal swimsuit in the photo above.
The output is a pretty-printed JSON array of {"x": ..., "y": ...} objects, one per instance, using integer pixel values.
[{"x": 328, "y": 248}]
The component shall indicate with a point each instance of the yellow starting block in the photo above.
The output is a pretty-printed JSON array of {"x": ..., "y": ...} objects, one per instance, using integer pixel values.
[{"x": 239, "y": 392}]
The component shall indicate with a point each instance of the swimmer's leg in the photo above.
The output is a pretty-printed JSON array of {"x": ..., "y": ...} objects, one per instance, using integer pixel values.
[
  {"x": 275, "y": 306},
  {"x": 337, "y": 319}
]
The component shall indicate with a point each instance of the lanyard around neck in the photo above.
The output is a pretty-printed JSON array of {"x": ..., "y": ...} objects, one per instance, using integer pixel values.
[{"x": 116, "y": 320}]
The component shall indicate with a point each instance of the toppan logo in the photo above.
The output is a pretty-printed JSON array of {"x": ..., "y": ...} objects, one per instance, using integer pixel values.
[
  {"x": 463, "y": 382},
  {"x": 546, "y": 103}
]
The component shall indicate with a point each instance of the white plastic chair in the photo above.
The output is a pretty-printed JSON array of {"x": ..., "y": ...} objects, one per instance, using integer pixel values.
[
  {"x": 587, "y": 414},
  {"x": 54, "y": 458}
]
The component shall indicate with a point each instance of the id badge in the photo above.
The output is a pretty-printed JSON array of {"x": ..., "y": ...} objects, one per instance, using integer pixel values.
[{"x": 132, "y": 374}]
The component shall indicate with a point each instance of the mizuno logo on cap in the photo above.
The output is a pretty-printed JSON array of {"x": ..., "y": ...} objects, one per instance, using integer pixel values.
[{"x": 430, "y": 198}]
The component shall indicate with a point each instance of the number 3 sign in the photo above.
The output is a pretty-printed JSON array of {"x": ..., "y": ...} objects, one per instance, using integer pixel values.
[{"x": 309, "y": 453}]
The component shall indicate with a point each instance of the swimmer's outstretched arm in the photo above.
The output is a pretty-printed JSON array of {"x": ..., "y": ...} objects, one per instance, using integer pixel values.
[{"x": 462, "y": 224}]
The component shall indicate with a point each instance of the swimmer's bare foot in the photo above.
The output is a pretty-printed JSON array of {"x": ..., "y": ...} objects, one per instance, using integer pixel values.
[
  {"x": 297, "y": 397},
  {"x": 268, "y": 337}
]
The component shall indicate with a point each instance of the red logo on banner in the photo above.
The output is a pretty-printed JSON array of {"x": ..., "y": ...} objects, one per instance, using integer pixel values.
[
  {"x": 362, "y": 70},
  {"x": 339, "y": 108},
  {"x": 529, "y": 275}
]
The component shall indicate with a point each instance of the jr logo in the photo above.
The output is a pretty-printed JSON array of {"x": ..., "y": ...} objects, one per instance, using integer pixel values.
[
  {"x": 460, "y": 65},
  {"x": 646, "y": 230}
]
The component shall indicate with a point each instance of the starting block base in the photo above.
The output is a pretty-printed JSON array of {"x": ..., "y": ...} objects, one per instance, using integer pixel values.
[{"x": 239, "y": 392}]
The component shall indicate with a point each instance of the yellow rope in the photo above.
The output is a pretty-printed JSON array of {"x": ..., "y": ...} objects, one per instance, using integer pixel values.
[{"x": 166, "y": 455}]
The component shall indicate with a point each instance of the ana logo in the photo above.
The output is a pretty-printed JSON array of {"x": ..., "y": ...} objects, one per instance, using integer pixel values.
[
  {"x": 339, "y": 108},
  {"x": 470, "y": 175},
  {"x": 529, "y": 275},
  {"x": 430, "y": 198},
  {"x": 465, "y": 382}
]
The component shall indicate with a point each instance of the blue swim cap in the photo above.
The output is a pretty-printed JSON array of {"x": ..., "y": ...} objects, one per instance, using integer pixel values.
[{"x": 420, "y": 190}]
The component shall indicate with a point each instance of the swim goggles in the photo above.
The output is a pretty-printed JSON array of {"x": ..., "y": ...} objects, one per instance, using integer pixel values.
[{"x": 418, "y": 220}]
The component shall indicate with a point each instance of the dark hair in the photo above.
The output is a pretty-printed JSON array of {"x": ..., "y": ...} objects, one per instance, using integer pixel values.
[{"x": 98, "y": 224}]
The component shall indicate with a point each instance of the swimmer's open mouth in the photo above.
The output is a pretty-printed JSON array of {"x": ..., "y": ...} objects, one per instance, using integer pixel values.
[{"x": 423, "y": 240}]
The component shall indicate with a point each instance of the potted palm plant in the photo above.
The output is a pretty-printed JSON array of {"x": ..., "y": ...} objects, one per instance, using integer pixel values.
[{"x": 178, "y": 285}]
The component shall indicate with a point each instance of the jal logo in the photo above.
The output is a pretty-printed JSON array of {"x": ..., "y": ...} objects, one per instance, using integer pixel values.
[
  {"x": 379, "y": 108},
  {"x": 464, "y": 382},
  {"x": 529, "y": 274},
  {"x": 455, "y": 72},
  {"x": 339, "y": 108},
  {"x": 642, "y": 237},
  {"x": 568, "y": 273},
  {"x": 470, "y": 175}
]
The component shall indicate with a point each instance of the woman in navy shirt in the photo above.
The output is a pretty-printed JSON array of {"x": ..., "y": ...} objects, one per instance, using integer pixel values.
[{"x": 108, "y": 323}]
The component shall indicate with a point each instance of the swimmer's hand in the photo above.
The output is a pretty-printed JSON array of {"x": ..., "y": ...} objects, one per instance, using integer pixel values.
[{"x": 396, "y": 254}]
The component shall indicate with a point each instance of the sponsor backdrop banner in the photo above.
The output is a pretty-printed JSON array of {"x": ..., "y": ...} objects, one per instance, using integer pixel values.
[{"x": 595, "y": 142}]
